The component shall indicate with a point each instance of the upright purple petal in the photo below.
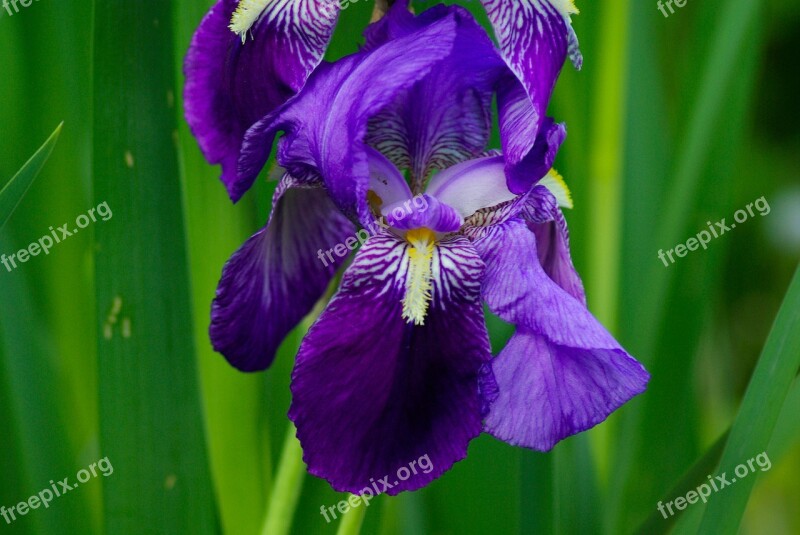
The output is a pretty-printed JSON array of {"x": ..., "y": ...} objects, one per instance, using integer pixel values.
[
  {"x": 327, "y": 122},
  {"x": 562, "y": 372},
  {"x": 372, "y": 393},
  {"x": 535, "y": 37},
  {"x": 231, "y": 84},
  {"x": 446, "y": 117},
  {"x": 277, "y": 276}
]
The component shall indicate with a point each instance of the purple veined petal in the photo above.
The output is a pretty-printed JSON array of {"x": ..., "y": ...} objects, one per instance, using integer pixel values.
[
  {"x": 562, "y": 372},
  {"x": 423, "y": 211},
  {"x": 472, "y": 185},
  {"x": 517, "y": 289},
  {"x": 547, "y": 392},
  {"x": 326, "y": 123},
  {"x": 501, "y": 204},
  {"x": 446, "y": 117},
  {"x": 231, "y": 84},
  {"x": 548, "y": 224},
  {"x": 277, "y": 276},
  {"x": 540, "y": 158},
  {"x": 535, "y": 37},
  {"x": 372, "y": 393}
]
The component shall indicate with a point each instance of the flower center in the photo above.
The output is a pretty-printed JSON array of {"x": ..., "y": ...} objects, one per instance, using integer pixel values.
[{"x": 418, "y": 279}]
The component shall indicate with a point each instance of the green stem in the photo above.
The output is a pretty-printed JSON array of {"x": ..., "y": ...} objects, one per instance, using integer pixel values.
[
  {"x": 286, "y": 491},
  {"x": 352, "y": 521}
]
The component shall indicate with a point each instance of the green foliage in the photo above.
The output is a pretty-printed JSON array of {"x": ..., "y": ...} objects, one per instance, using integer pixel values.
[
  {"x": 13, "y": 192},
  {"x": 103, "y": 343}
]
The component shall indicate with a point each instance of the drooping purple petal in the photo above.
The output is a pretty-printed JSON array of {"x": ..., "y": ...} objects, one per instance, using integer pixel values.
[
  {"x": 562, "y": 372},
  {"x": 548, "y": 392},
  {"x": 446, "y": 117},
  {"x": 326, "y": 124},
  {"x": 372, "y": 393},
  {"x": 230, "y": 84},
  {"x": 547, "y": 222},
  {"x": 535, "y": 37},
  {"x": 277, "y": 276}
]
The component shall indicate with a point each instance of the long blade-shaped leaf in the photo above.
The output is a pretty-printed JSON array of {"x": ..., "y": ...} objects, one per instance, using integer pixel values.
[
  {"x": 785, "y": 434},
  {"x": 755, "y": 423},
  {"x": 35, "y": 445},
  {"x": 233, "y": 401},
  {"x": 13, "y": 192},
  {"x": 150, "y": 413}
]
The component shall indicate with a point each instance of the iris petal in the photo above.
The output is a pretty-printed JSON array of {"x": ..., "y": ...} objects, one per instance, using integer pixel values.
[
  {"x": 429, "y": 212},
  {"x": 539, "y": 160},
  {"x": 326, "y": 124},
  {"x": 548, "y": 224},
  {"x": 535, "y": 37},
  {"x": 446, "y": 117},
  {"x": 549, "y": 392},
  {"x": 562, "y": 372},
  {"x": 231, "y": 84},
  {"x": 385, "y": 180},
  {"x": 472, "y": 185},
  {"x": 277, "y": 276},
  {"x": 372, "y": 393}
]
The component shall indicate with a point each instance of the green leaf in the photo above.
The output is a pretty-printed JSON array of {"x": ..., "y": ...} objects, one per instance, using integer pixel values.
[
  {"x": 351, "y": 524},
  {"x": 758, "y": 415},
  {"x": 701, "y": 179},
  {"x": 13, "y": 192},
  {"x": 150, "y": 411},
  {"x": 656, "y": 524},
  {"x": 288, "y": 484},
  {"x": 784, "y": 435},
  {"x": 732, "y": 33},
  {"x": 35, "y": 445},
  {"x": 233, "y": 402}
]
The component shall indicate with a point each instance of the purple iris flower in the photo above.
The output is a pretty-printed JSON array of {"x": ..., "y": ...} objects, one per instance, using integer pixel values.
[
  {"x": 398, "y": 366},
  {"x": 247, "y": 58}
]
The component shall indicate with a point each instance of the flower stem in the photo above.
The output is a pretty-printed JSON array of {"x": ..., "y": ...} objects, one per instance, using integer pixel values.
[
  {"x": 286, "y": 491},
  {"x": 352, "y": 521}
]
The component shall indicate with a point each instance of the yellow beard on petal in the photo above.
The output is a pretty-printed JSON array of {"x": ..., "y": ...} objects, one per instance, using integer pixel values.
[
  {"x": 246, "y": 14},
  {"x": 418, "y": 278}
]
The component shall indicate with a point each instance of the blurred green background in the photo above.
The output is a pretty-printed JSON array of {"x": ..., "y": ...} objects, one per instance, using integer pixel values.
[{"x": 103, "y": 347}]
